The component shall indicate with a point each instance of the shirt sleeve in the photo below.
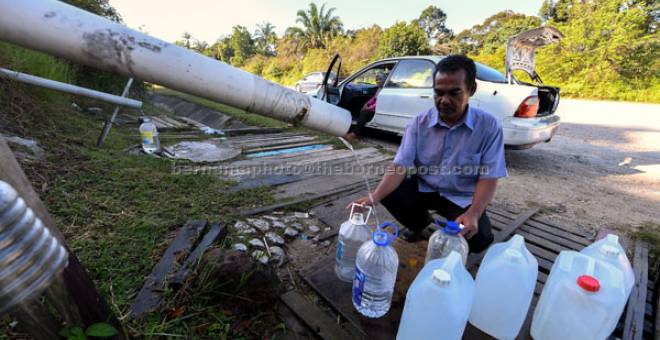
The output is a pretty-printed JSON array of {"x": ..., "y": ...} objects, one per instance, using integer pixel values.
[
  {"x": 405, "y": 156},
  {"x": 492, "y": 158}
]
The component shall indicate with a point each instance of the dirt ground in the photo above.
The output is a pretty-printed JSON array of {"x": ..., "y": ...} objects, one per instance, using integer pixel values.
[{"x": 602, "y": 169}]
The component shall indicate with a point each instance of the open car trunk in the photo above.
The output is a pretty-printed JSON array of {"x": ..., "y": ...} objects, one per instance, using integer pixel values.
[{"x": 521, "y": 55}]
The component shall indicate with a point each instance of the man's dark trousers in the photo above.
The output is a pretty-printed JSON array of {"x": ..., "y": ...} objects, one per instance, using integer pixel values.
[{"x": 411, "y": 207}]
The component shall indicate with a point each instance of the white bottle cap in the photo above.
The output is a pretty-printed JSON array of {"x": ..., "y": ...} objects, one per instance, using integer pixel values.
[
  {"x": 441, "y": 277},
  {"x": 609, "y": 250}
]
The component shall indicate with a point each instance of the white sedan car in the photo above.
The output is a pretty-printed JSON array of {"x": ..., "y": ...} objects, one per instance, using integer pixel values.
[{"x": 526, "y": 111}]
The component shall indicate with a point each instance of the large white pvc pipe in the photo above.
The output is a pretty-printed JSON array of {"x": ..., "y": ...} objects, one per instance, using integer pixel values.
[
  {"x": 66, "y": 31},
  {"x": 68, "y": 88}
]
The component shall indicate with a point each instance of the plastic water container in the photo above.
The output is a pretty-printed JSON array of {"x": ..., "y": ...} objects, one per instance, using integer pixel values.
[
  {"x": 609, "y": 249},
  {"x": 352, "y": 235},
  {"x": 438, "y": 302},
  {"x": 504, "y": 287},
  {"x": 376, "y": 265},
  {"x": 445, "y": 240},
  {"x": 149, "y": 135},
  {"x": 582, "y": 299}
]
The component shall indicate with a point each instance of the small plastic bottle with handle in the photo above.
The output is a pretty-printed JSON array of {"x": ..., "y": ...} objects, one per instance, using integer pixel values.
[
  {"x": 504, "y": 288},
  {"x": 352, "y": 235},
  {"x": 376, "y": 266},
  {"x": 583, "y": 298},
  {"x": 149, "y": 135},
  {"x": 438, "y": 301},
  {"x": 446, "y": 239},
  {"x": 609, "y": 249}
]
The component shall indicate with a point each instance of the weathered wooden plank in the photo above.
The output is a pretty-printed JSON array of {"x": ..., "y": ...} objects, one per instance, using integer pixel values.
[
  {"x": 563, "y": 242},
  {"x": 324, "y": 326},
  {"x": 216, "y": 233},
  {"x": 540, "y": 220},
  {"x": 250, "y": 130},
  {"x": 473, "y": 259},
  {"x": 633, "y": 328},
  {"x": 281, "y": 147},
  {"x": 541, "y": 242},
  {"x": 149, "y": 297},
  {"x": 345, "y": 190}
]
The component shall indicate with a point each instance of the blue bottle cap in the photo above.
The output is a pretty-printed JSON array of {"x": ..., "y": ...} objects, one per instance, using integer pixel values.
[
  {"x": 452, "y": 228},
  {"x": 381, "y": 237}
]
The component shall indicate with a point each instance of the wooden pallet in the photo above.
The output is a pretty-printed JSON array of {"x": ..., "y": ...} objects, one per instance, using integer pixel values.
[{"x": 543, "y": 238}]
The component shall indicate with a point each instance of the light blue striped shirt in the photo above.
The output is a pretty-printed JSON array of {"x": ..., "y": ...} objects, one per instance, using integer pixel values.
[{"x": 450, "y": 160}]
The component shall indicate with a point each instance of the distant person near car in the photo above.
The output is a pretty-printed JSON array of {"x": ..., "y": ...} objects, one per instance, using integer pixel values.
[{"x": 367, "y": 112}]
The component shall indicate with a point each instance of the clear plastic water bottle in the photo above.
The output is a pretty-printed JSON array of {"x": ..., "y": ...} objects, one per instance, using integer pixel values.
[
  {"x": 352, "y": 235},
  {"x": 375, "y": 273},
  {"x": 149, "y": 135},
  {"x": 446, "y": 239}
]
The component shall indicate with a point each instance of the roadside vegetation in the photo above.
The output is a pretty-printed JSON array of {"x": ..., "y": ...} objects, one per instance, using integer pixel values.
[{"x": 611, "y": 48}]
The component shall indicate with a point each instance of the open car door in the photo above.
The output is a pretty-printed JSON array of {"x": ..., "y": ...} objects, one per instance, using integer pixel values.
[
  {"x": 521, "y": 51},
  {"x": 329, "y": 90}
]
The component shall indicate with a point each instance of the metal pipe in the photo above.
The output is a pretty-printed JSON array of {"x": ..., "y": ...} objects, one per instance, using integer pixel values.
[
  {"x": 108, "y": 124},
  {"x": 57, "y": 28},
  {"x": 68, "y": 88}
]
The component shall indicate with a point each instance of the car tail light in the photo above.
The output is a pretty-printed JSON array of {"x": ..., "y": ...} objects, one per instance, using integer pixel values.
[{"x": 528, "y": 108}]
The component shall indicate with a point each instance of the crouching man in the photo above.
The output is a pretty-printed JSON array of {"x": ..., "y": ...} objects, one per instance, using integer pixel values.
[{"x": 449, "y": 160}]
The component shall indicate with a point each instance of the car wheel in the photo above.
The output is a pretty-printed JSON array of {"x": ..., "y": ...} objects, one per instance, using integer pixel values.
[{"x": 298, "y": 88}]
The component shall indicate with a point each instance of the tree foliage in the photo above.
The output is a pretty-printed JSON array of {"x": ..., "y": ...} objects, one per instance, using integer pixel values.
[
  {"x": 242, "y": 44},
  {"x": 403, "y": 39},
  {"x": 319, "y": 27},
  {"x": 432, "y": 20},
  {"x": 265, "y": 39}
]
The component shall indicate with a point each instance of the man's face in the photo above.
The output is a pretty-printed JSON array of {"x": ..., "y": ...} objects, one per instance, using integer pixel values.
[{"x": 451, "y": 94}]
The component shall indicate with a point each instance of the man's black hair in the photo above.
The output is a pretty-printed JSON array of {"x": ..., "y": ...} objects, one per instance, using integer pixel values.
[{"x": 455, "y": 62}]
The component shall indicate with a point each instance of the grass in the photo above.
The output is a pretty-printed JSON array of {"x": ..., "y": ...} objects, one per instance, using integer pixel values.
[{"x": 117, "y": 211}]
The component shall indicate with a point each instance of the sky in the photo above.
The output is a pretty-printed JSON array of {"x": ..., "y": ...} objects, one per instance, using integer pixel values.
[{"x": 211, "y": 19}]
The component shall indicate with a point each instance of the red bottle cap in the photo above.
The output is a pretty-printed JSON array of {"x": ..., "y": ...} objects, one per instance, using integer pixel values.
[{"x": 588, "y": 283}]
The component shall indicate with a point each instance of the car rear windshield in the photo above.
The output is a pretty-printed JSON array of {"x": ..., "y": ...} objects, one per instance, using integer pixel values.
[{"x": 486, "y": 73}]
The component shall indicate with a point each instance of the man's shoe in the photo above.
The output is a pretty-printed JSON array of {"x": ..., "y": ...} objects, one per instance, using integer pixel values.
[{"x": 410, "y": 236}]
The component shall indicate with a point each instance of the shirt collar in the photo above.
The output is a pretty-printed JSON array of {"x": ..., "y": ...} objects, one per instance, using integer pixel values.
[{"x": 468, "y": 119}]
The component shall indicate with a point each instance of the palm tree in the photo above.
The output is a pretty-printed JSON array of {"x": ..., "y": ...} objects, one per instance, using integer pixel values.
[
  {"x": 265, "y": 38},
  {"x": 187, "y": 39},
  {"x": 319, "y": 26}
]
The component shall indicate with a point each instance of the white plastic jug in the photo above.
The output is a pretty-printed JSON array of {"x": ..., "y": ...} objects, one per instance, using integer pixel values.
[
  {"x": 503, "y": 288},
  {"x": 445, "y": 240},
  {"x": 352, "y": 235},
  {"x": 582, "y": 299},
  {"x": 438, "y": 301},
  {"x": 609, "y": 249},
  {"x": 376, "y": 266},
  {"x": 149, "y": 135}
]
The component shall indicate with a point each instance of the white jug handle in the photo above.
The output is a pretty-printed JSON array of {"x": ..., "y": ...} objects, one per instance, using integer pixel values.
[{"x": 367, "y": 207}]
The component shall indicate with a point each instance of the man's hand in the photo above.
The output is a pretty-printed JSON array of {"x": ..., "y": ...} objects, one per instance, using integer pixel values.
[
  {"x": 362, "y": 200},
  {"x": 470, "y": 224}
]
